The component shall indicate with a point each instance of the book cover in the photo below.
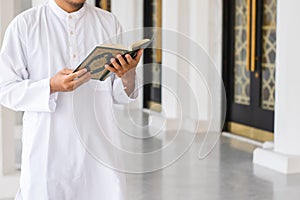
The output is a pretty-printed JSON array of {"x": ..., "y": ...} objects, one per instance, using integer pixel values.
[{"x": 101, "y": 55}]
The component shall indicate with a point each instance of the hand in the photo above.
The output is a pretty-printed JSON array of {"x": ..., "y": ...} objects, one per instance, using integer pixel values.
[
  {"x": 124, "y": 65},
  {"x": 65, "y": 80},
  {"x": 125, "y": 70}
]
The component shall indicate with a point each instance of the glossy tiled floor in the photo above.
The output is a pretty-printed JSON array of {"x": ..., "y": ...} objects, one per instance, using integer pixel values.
[{"x": 227, "y": 174}]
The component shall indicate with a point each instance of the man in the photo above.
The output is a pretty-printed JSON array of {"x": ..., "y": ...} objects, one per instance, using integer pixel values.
[{"x": 41, "y": 48}]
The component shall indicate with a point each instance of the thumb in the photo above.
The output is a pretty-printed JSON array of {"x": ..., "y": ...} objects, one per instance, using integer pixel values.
[{"x": 139, "y": 54}]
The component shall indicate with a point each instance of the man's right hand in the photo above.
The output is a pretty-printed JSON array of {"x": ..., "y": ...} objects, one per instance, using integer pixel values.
[{"x": 65, "y": 80}]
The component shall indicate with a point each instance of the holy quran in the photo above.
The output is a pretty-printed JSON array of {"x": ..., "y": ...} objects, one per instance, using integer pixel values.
[{"x": 100, "y": 56}]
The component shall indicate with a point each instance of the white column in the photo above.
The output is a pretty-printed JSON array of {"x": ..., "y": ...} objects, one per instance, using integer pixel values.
[
  {"x": 168, "y": 119},
  {"x": 6, "y": 14},
  {"x": 285, "y": 157},
  {"x": 6, "y": 136},
  {"x": 21, "y": 6},
  {"x": 214, "y": 21},
  {"x": 7, "y": 143},
  {"x": 199, "y": 32},
  {"x": 170, "y": 21},
  {"x": 8, "y": 178},
  {"x": 92, "y": 2},
  {"x": 129, "y": 13},
  {"x": 37, "y": 2},
  {"x": 198, "y": 20}
]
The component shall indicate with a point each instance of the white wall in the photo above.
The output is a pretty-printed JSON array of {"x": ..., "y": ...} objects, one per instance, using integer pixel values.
[{"x": 287, "y": 109}]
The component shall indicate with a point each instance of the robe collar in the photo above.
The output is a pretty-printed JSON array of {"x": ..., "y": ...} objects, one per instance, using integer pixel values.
[{"x": 63, "y": 14}]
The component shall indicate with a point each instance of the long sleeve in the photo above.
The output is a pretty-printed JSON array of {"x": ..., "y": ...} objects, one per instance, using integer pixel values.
[
  {"x": 119, "y": 94},
  {"x": 17, "y": 90}
]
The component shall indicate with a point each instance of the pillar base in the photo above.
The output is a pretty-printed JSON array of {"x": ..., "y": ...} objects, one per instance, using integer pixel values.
[{"x": 286, "y": 164}]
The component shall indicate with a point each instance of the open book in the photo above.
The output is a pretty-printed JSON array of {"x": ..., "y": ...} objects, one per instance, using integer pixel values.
[{"x": 102, "y": 54}]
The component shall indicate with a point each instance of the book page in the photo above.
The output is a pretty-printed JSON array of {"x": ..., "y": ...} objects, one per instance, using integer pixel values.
[{"x": 139, "y": 44}]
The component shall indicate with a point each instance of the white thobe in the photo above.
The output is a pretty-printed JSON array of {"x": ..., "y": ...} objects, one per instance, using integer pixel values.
[{"x": 38, "y": 43}]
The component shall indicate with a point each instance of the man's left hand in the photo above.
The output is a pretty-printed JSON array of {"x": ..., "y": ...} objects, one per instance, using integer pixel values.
[{"x": 125, "y": 69}]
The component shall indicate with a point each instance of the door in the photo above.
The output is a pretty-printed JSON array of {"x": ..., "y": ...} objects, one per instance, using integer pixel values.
[
  {"x": 153, "y": 57},
  {"x": 249, "y": 54},
  {"x": 104, "y": 4}
]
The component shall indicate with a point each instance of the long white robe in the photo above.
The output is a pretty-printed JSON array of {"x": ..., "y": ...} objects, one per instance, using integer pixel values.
[{"x": 37, "y": 44}]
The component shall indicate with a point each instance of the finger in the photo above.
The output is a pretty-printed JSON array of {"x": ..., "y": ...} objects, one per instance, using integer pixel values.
[
  {"x": 118, "y": 73},
  {"x": 130, "y": 60},
  {"x": 134, "y": 61},
  {"x": 83, "y": 79},
  {"x": 111, "y": 69},
  {"x": 122, "y": 61},
  {"x": 77, "y": 74},
  {"x": 115, "y": 64},
  {"x": 66, "y": 71},
  {"x": 139, "y": 55}
]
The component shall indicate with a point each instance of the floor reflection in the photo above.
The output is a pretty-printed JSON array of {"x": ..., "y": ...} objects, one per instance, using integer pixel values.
[{"x": 227, "y": 173}]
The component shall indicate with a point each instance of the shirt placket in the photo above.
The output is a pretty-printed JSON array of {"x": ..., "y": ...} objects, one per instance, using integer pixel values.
[{"x": 73, "y": 49}]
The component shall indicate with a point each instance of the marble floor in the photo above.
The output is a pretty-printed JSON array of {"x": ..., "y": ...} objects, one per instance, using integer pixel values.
[{"x": 227, "y": 173}]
